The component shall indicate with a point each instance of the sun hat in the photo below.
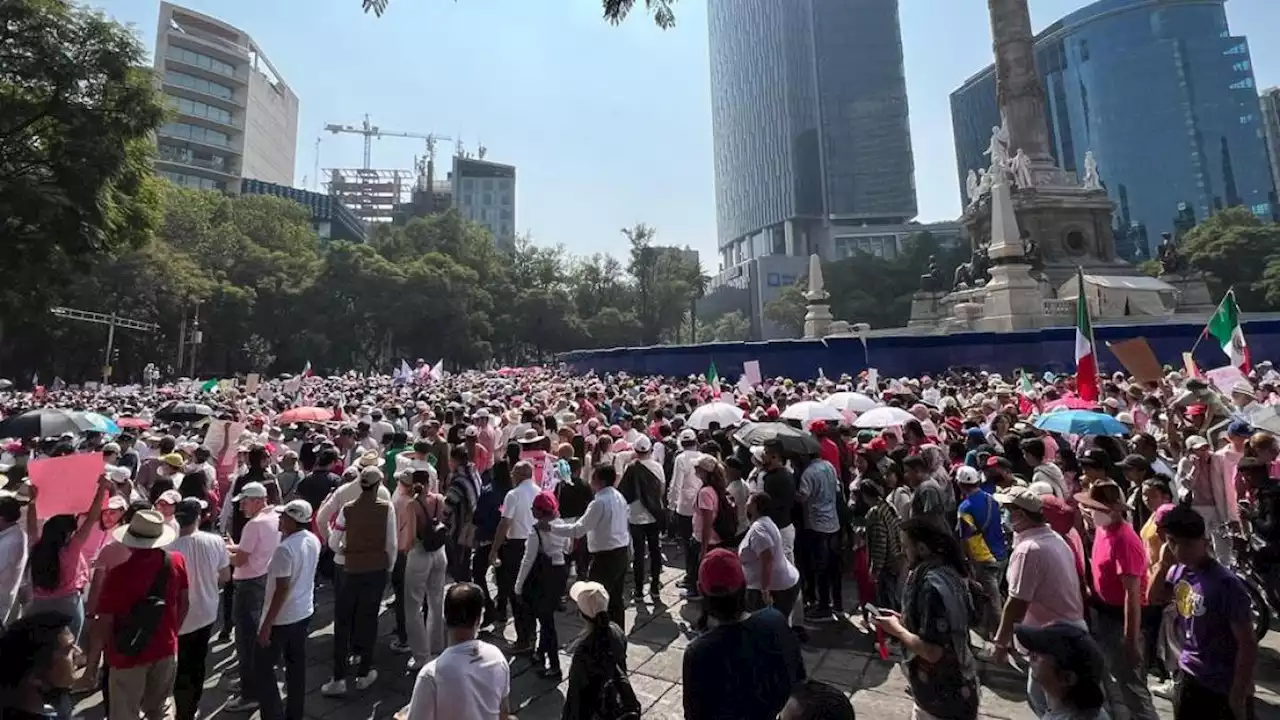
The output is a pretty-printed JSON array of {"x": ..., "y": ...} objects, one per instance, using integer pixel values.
[
  {"x": 720, "y": 573},
  {"x": 1022, "y": 498},
  {"x": 173, "y": 460},
  {"x": 370, "y": 460},
  {"x": 1103, "y": 496},
  {"x": 251, "y": 490},
  {"x": 147, "y": 530},
  {"x": 298, "y": 510},
  {"x": 590, "y": 597}
]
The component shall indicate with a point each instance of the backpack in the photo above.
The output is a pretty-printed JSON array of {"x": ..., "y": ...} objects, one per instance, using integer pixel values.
[
  {"x": 133, "y": 631},
  {"x": 617, "y": 699},
  {"x": 726, "y": 522},
  {"x": 432, "y": 532}
]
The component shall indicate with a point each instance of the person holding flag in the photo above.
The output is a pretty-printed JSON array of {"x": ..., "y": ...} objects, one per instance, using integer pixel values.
[
  {"x": 1224, "y": 326},
  {"x": 1086, "y": 356}
]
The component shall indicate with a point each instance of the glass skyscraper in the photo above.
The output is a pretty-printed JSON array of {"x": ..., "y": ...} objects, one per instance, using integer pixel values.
[
  {"x": 809, "y": 113},
  {"x": 1164, "y": 96}
]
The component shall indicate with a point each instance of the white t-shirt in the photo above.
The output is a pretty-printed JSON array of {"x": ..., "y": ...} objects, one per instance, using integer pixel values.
[
  {"x": 206, "y": 556},
  {"x": 295, "y": 558},
  {"x": 761, "y": 536},
  {"x": 517, "y": 507},
  {"x": 467, "y": 681}
]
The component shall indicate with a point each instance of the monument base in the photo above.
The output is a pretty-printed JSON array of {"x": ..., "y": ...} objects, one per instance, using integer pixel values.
[
  {"x": 1013, "y": 300},
  {"x": 817, "y": 321},
  {"x": 926, "y": 308},
  {"x": 1193, "y": 294}
]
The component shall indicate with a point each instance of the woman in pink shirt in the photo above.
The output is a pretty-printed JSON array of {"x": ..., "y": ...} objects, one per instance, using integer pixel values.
[{"x": 59, "y": 569}]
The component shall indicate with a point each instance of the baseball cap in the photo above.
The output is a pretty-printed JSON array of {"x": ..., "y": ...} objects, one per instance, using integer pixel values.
[
  {"x": 590, "y": 597},
  {"x": 1135, "y": 461},
  {"x": 545, "y": 502},
  {"x": 251, "y": 490},
  {"x": 111, "y": 448},
  {"x": 1124, "y": 418},
  {"x": 173, "y": 497},
  {"x": 471, "y": 432},
  {"x": 643, "y": 444},
  {"x": 999, "y": 461},
  {"x": 720, "y": 573},
  {"x": 1239, "y": 428},
  {"x": 1070, "y": 646},
  {"x": 966, "y": 475},
  {"x": 1022, "y": 498},
  {"x": 1057, "y": 513},
  {"x": 976, "y": 434},
  {"x": 1195, "y": 442},
  {"x": 370, "y": 476},
  {"x": 298, "y": 510},
  {"x": 688, "y": 436},
  {"x": 117, "y": 502}
]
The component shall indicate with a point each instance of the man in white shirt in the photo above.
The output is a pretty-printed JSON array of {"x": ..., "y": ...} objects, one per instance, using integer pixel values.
[
  {"x": 13, "y": 551},
  {"x": 250, "y": 559},
  {"x": 470, "y": 680},
  {"x": 289, "y": 605},
  {"x": 682, "y": 499},
  {"x": 608, "y": 537},
  {"x": 208, "y": 569},
  {"x": 508, "y": 550}
]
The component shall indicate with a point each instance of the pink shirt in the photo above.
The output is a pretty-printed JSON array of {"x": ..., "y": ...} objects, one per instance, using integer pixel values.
[
  {"x": 259, "y": 539},
  {"x": 707, "y": 500},
  {"x": 1118, "y": 551},
  {"x": 73, "y": 572},
  {"x": 1042, "y": 572}
]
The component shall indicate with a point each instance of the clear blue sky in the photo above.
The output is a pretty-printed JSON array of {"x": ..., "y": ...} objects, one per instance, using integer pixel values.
[{"x": 608, "y": 126}]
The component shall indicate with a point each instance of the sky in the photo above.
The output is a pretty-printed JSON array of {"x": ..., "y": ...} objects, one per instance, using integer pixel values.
[{"x": 607, "y": 126}]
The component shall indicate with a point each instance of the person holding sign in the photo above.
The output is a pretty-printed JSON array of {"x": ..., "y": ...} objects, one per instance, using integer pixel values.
[{"x": 59, "y": 570}]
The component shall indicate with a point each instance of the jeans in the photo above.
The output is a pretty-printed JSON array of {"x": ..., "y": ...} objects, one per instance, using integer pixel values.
[
  {"x": 424, "y": 581},
  {"x": 783, "y": 600},
  {"x": 1221, "y": 546},
  {"x": 609, "y": 568},
  {"x": 1126, "y": 683},
  {"x": 247, "y": 611},
  {"x": 683, "y": 527},
  {"x": 988, "y": 576},
  {"x": 397, "y": 586},
  {"x": 355, "y": 620},
  {"x": 1194, "y": 701},
  {"x": 646, "y": 537},
  {"x": 227, "y": 601},
  {"x": 188, "y": 686},
  {"x": 511, "y": 553},
  {"x": 290, "y": 642},
  {"x": 71, "y": 605},
  {"x": 824, "y": 552},
  {"x": 888, "y": 590},
  {"x": 548, "y": 641},
  {"x": 480, "y": 576}
]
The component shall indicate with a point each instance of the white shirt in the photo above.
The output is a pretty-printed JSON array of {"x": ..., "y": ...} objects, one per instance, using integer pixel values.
[
  {"x": 761, "y": 536},
  {"x": 604, "y": 523},
  {"x": 468, "y": 681},
  {"x": 549, "y": 544},
  {"x": 381, "y": 429},
  {"x": 683, "y": 495},
  {"x": 517, "y": 508},
  {"x": 13, "y": 561},
  {"x": 206, "y": 556},
  {"x": 295, "y": 558},
  {"x": 406, "y": 462}
]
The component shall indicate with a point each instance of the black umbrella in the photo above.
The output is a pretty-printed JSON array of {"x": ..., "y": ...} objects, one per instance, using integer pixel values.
[
  {"x": 794, "y": 441},
  {"x": 178, "y": 411},
  {"x": 46, "y": 422}
]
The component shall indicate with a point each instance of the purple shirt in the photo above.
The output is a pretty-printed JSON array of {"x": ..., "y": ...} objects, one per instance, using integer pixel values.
[{"x": 1208, "y": 601}]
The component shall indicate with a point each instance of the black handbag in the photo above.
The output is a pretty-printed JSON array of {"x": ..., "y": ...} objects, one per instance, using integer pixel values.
[{"x": 133, "y": 631}]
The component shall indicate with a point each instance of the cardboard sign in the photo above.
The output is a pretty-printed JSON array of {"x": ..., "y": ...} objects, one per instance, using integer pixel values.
[
  {"x": 1138, "y": 358},
  {"x": 251, "y": 383},
  {"x": 67, "y": 484},
  {"x": 1226, "y": 377},
  {"x": 751, "y": 371}
]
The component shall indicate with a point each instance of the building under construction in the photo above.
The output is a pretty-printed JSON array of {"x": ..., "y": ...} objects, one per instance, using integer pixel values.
[{"x": 373, "y": 195}]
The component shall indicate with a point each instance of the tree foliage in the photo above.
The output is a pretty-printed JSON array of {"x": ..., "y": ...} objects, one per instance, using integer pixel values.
[
  {"x": 615, "y": 11},
  {"x": 1234, "y": 248}
]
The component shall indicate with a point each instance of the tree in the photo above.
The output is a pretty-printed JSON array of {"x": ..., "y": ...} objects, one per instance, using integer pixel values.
[
  {"x": 77, "y": 109},
  {"x": 1236, "y": 249},
  {"x": 615, "y": 11},
  {"x": 666, "y": 283},
  {"x": 787, "y": 310},
  {"x": 1151, "y": 268},
  {"x": 733, "y": 326}
]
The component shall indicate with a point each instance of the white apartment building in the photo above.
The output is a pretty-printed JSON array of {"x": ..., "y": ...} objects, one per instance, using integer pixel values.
[{"x": 235, "y": 116}]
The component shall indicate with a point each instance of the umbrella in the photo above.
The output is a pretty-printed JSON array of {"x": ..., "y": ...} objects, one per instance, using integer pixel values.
[
  {"x": 305, "y": 414},
  {"x": 794, "y": 441},
  {"x": 807, "y": 411},
  {"x": 1071, "y": 402},
  {"x": 1081, "y": 422},
  {"x": 102, "y": 423},
  {"x": 134, "y": 422},
  {"x": 722, "y": 413},
  {"x": 851, "y": 402},
  {"x": 178, "y": 411},
  {"x": 6, "y": 384},
  {"x": 883, "y": 417},
  {"x": 45, "y": 422}
]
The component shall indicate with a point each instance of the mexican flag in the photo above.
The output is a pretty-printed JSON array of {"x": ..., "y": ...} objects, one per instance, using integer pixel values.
[
  {"x": 306, "y": 370},
  {"x": 1224, "y": 326},
  {"x": 209, "y": 386},
  {"x": 713, "y": 379},
  {"x": 1086, "y": 357}
]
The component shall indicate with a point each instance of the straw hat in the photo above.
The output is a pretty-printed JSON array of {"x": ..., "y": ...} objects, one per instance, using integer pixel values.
[{"x": 146, "y": 530}]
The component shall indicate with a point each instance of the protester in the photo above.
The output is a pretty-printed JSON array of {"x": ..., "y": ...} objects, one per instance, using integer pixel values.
[
  {"x": 13, "y": 552},
  {"x": 208, "y": 569},
  {"x": 426, "y": 569},
  {"x": 981, "y": 532},
  {"x": 772, "y": 581},
  {"x": 287, "y": 611},
  {"x": 604, "y": 524},
  {"x": 39, "y": 686},
  {"x": 1067, "y": 663},
  {"x": 508, "y": 548},
  {"x": 813, "y": 700},
  {"x": 59, "y": 569},
  {"x": 641, "y": 486},
  {"x": 541, "y": 581},
  {"x": 599, "y": 656},
  {"x": 471, "y": 679},
  {"x": 250, "y": 558}
]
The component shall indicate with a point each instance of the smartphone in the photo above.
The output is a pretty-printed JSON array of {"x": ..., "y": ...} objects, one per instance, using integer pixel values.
[{"x": 872, "y": 610}]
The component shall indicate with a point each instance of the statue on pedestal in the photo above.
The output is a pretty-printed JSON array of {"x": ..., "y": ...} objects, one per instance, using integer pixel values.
[
  {"x": 1020, "y": 168},
  {"x": 998, "y": 149},
  {"x": 973, "y": 273},
  {"x": 1091, "y": 180},
  {"x": 1170, "y": 261},
  {"x": 985, "y": 179},
  {"x": 931, "y": 281},
  {"x": 1032, "y": 253},
  {"x": 972, "y": 188}
]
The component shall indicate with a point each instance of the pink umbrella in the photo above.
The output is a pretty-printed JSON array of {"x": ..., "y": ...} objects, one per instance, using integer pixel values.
[
  {"x": 1071, "y": 402},
  {"x": 305, "y": 414}
]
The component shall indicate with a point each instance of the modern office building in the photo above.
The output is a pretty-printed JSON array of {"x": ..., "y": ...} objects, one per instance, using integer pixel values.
[
  {"x": 329, "y": 218},
  {"x": 809, "y": 121},
  {"x": 1164, "y": 96},
  {"x": 485, "y": 192},
  {"x": 235, "y": 116},
  {"x": 1270, "y": 100}
]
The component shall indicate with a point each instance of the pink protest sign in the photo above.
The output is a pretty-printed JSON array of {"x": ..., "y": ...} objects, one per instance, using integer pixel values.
[{"x": 66, "y": 484}]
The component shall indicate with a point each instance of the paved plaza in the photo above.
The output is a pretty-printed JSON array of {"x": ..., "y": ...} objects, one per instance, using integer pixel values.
[{"x": 841, "y": 654}]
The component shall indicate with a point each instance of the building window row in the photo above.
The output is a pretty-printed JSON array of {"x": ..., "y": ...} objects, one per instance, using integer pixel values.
[
  {"x": 191, "y": 57},
  {"x": 197, "y": 133},
  {"x": 198, "y": 84},
  {"x": 1244, "y": 84},
  {"x": 1242, "y": 66},
  {"x": 1262, "y": 210},
  {"x": 192, "y": 181},
  {"x": 1246, "y": 119},
  {"x": 199, "y": 109},
  {"x": 190, "y": 156},
  {"x": 1239, "y": 49}
]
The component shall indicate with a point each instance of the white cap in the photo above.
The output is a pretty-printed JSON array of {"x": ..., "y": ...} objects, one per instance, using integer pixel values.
[
  {"x": 1124, "y": 418},
  {"x": 643, "y": 444},
  {"x": 299, "y": 510},
  {"x": 1195, "y": 442},
  {"x": 590, "y": 597},
  {"x": 173, "y": 497},
  {"x": 687, "y": 436},
  {"x": 251, "y": 490},
  {"x": 966, "y": 475}
]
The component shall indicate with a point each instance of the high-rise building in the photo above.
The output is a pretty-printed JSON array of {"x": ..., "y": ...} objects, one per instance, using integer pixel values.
[
  {"x": 1163, "y": 95},
  {"x": 235, "y": 116},
  {"x": 809, "y": 118},
  {"x": 485, "y": 192},
  {"x": 1270, "y": 100}
]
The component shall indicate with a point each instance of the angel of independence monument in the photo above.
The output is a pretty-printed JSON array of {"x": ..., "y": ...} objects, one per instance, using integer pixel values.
[{"x": 1030, "y": 223}]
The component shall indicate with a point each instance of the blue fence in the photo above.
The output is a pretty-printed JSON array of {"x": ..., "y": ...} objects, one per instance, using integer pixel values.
[{"x": 905, "y": 355}]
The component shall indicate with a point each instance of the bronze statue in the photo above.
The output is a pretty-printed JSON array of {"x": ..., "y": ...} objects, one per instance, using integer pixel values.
[
  {"x": 1032, "y": 253},
  {"x": 973, "y": 273},
  {"x": 931, "y": 281},
  {"x": 1170, "y": 261}
]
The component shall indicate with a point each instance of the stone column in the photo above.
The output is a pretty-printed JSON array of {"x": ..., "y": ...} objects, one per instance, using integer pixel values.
[
  {"x": 1019, "y": 92},
  {"x": 817, "y": 317},
  {"x": 1013, "y": 300}
]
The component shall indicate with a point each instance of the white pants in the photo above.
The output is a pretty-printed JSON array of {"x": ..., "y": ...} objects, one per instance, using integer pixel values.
[
  {"x": 424, "y": 580},
  {"x": 1221, "y": 546},
  {"x": 789, "y": 550}
]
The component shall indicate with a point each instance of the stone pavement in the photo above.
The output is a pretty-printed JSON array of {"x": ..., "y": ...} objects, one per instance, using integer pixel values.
[{"x": 840, "y": 654}]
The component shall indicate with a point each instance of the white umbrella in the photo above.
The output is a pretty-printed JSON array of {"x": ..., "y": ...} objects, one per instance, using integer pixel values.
[
  {"x": 808, "y": 411},
  {"x": 851, "y": 402},
  {"x": 724, "y": 414},
  {"x": 883, "y": 417}
]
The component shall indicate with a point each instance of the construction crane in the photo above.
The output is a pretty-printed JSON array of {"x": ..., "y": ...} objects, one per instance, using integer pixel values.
[{"x": 372, "y": 131}]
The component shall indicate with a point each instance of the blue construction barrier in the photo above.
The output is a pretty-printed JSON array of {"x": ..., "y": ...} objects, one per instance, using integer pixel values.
[{"x": 914, "y": 355}]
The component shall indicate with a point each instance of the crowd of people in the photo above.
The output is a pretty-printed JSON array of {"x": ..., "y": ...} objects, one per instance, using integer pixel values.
[{"x": 975, "y": 525}]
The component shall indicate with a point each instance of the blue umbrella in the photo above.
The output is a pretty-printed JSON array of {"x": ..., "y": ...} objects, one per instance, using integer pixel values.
[
  {"x": 101, "y": 423},
  {"x": 1081, "y": 422}
]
